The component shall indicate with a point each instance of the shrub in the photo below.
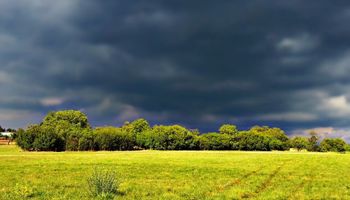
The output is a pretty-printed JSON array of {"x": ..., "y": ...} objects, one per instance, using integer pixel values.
[
  {"x": 347, "y": 147},
  {"x": 47, "y": 140},
  {"x": 111, "y": 138},
  {"x": 103, "y": 183},
  {"x": 25, "y": 139},
  {"x": 87, "y": 142},
  {"x": 145, "y": 139}
]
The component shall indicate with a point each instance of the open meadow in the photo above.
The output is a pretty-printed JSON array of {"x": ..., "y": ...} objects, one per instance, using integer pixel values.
[{"x": 177, "y": 174}]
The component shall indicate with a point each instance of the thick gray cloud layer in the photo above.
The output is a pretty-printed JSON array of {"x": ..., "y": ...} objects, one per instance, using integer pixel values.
[{"x": 198, "y": 63}]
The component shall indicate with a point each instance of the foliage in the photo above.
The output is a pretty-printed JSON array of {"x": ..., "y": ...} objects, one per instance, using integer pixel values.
[
  {"x": 87, "y": 141},
  {"x": 103, "y": 184},
  {"x": 333, "y": 144},
  {"x": 111, "y": 138},
  {"x": 299, "y": 143},
  {"x": 25, "y": 139},
  {"x": 173, "y": 137},
  {"x": 59, "y": 131},
  {"x": 2, "y": 129},
  {"x": 47, "y": 140},
  {"x": 73, "y": 117},
  {"x": 70, "y": 130},
  {"x": 215, "y": 141},
  {"x": 276, "y": 133},
  {"x": 261, "y": 139},
  {"x": 228, "y": 129},
  {"x": 347, "y": 147},
  {"x": 136, "y": 127},
  {"x": 313, "y": 142},
  {"x": 248, "y": 141}
]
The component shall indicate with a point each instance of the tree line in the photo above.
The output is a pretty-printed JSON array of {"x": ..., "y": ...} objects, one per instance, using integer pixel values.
[
  {"x": 69, "y": 130},
  {"x": 7, "y": 129}
]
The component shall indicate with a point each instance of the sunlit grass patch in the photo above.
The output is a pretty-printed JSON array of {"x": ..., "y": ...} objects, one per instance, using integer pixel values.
[{"x": 176, "y": 175}]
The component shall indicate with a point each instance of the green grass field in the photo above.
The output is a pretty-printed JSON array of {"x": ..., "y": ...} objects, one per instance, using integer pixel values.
[{"x": 177, "y": 174}]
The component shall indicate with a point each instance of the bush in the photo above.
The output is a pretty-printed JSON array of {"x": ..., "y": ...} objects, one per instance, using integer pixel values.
[
  {"x": 103, "y": 184},
  {"x": 59, "y": 131},
  {"x": 25, "y": 139},
  {"x": 347, "y": 147},
  {"x": 47, "y": 140},
  {"x": 87, "y": 141},
  {"x": 111, "y": 138}
]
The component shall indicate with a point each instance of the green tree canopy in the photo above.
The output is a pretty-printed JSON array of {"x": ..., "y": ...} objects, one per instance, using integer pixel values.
[
  {"x": 270, "y": 132},
  {"x": 228, "y": 129},
  {"x": 333, "y": 144},
  {"x": 72, "y": 117},
  {"x": 137, "y": 126},
  {"x": 299, "y": 143}
]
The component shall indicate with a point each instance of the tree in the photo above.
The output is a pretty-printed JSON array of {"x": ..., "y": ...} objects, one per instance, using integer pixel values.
[
  {"x": 47, "y": 140},
  {"x": 68, "y": 125},
  {"x": 87, "y": 141},
  {"x": 228, "y": 129},
  {"x": 313, "y": 141},
  {"x": 215, "y": 141},
  {"x": 25, "y": 139},
  {"x": 299, "y": 143},
  {"x": 347, "y": 147},
  {"x": 251, "y": 141},
  {"x": 174, "y": 137},
  {"x": 270, "y": 132},
  {"x": 333, "y": 144},
  {"x": 112, "y": 138},
  {"x": 72, "y": 117},
  {"x": 139, "y": 125},
  {"x": 11, "y": 130},
  {"x": 58, "y": 131},
  {"x": 2, "y": 129},
  {"x": 72, "y": 141}
]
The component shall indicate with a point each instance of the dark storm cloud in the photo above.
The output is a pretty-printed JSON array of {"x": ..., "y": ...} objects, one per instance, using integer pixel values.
[{"x": 199, "y": 63}]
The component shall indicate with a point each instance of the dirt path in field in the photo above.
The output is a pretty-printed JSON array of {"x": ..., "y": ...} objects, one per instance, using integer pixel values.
[
  {"x": 237, "y": 181},
  {"x": 267, "y": 182}
]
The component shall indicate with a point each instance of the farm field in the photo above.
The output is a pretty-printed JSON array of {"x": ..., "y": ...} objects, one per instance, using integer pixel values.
[{"x": 177, "y": 174}]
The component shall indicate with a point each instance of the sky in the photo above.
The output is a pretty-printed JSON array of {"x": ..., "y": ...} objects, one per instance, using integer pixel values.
[{"x": 197, "y": 63}]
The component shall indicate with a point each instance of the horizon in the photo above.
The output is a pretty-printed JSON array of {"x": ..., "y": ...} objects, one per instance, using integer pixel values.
[{"x": 199, "y": 64}]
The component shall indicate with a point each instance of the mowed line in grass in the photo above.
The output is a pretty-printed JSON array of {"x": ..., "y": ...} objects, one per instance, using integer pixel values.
[{"x": 179, "y": 174}]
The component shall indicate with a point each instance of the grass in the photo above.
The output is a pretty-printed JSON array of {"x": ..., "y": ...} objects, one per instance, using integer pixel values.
[{"x": 176, "y": 174}]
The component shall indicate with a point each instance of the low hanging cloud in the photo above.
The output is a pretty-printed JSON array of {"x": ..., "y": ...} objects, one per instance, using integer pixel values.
[
  {"x": 325, "y": 132},
  {"x": 298, "y": 44}
]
